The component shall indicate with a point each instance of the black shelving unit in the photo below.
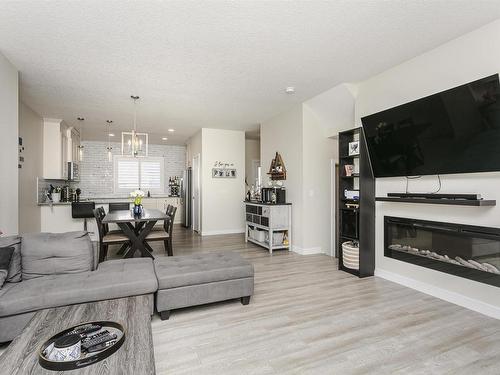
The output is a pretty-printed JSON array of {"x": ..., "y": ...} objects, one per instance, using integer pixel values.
[{"x": 365, "y": 213}]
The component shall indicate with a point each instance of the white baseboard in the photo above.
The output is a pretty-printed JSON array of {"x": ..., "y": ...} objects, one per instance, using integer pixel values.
[
  {"x": 224, "y": 231},
  {"x": 307, "y": 251},
  {"x": 457, "y": 299}
]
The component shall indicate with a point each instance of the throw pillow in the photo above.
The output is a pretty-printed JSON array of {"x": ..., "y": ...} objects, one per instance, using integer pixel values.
[
  {"x": 14, "y": 274},
  {"x": 5, "y": 258},
  {"x": 44, "y": 254}
]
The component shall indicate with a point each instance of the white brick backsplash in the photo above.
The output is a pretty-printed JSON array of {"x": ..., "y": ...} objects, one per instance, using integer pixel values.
[{"x": 96, "y": 172}]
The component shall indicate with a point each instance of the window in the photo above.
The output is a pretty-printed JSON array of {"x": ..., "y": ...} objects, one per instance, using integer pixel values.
[{"x": 146, "y": 174}]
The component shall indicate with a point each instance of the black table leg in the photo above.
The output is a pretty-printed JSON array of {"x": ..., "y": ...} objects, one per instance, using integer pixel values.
[
  {"x": 137, "y": 241},
  {"x": 123, "y": 249}
]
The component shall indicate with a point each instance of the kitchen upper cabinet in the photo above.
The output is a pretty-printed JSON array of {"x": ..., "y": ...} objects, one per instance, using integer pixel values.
[
  {"x": 60, "y": 146},
  {"x": 74, "y": 145}
]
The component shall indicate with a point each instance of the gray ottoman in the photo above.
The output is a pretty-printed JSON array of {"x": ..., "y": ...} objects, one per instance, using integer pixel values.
[{"x": 203, "y": 278}]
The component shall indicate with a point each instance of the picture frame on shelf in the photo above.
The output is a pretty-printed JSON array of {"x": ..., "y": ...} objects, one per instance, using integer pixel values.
[
  {"x": 349, "y": 170},
  {"x": 353, "y": 148}
]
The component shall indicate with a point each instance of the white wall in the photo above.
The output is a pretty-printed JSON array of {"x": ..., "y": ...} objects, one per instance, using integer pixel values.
[
  {"x": 334, "y": 109},
  {"x": 252, "y": 152},
  {"x": 318, "y": 151},
  {"x": 464, "y": 59},
  {"x": 9, "y": 117},
  {"x": 283, "y": 134},
  {"x": 222, "y": 198},
  {"x": 31, "y": 131}
]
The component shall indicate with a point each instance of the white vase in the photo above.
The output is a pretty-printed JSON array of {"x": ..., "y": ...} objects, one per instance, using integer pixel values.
[{"x": 56, "y": 197}]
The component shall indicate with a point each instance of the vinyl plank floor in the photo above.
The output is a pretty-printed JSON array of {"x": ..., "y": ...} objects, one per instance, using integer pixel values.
[{"x": 306, "y": 317}]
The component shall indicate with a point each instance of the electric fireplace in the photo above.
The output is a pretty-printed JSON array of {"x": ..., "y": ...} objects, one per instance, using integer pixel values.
[{"x": 467, "y": 251}]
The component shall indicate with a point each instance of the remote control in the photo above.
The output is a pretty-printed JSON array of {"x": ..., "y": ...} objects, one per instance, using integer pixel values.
[
  {"x": 98, "y": 338},
  {"x": 84, "y": 330},
  {"x": 101, "y": 346}
]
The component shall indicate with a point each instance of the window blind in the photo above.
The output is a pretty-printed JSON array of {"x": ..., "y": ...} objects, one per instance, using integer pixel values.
[
  {"x": 127, "y": 174},
  {"x": 146, "y": 174},
  {"x": 150, "y": 175}
]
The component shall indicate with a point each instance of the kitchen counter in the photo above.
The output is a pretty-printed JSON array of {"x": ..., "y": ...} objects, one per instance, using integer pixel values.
[
  {"x": 57, "y": 217},
  {"x": 108, "y": 200}
]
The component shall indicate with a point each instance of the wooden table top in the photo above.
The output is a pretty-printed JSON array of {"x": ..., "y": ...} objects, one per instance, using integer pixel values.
[
  {"x": 126, "y": 216},
  {"x": 136, "y": 355}
]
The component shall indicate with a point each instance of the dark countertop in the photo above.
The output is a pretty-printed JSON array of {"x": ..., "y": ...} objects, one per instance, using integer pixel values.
[
  {"x": 107, "y": 200},
  {"x": 267, "y": 204}
]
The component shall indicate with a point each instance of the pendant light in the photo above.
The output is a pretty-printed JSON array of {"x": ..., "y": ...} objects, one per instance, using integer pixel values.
[
  {"x": 80, "y": 146},
  {"x": 133, "y": 143},
  {"x": 109, "y": 148}
]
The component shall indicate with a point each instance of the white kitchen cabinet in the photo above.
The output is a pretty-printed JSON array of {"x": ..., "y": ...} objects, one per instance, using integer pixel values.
[
  {"x": 74, "y": 145},
  {"x": 60, "y": 146}
]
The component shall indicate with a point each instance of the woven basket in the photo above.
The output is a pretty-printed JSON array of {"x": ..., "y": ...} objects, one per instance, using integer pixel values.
[{"x": 350, "y": 255}]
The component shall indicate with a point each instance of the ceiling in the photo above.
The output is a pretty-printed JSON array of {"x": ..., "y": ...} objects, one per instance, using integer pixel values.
[{"x": 219, "y": 64}]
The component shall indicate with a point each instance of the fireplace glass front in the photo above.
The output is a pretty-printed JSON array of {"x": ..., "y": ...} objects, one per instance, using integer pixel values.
[{"x": 463, "y": 250}]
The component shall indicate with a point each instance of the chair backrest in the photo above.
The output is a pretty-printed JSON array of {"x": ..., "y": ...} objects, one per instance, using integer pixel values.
[
  {"x": 169, "y": 223},
  {"x": 119, "y": 206},
  {"x": 98, "y": 214},
  {"x": 169, "y": 208}
]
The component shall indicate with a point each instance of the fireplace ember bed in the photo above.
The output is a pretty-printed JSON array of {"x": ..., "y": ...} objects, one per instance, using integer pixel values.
[{"x": 467, "y": 251}]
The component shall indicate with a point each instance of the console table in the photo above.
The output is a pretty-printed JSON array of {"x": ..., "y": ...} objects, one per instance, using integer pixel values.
[
  {"x": 268, "y": 218},
  {"x": 136, "y": 356}
]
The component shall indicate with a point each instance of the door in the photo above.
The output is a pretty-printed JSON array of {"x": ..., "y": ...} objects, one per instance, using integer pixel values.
[{"x": 196, "y": 194}]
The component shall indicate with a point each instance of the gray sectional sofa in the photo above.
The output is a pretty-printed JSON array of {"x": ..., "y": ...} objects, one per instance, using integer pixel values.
[
  {"x": 51, "y": 270},
  {"x": 61, "y": 269}
]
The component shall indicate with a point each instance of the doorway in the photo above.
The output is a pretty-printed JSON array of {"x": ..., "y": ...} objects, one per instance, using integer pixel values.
[{"x": 196, "y": 194}]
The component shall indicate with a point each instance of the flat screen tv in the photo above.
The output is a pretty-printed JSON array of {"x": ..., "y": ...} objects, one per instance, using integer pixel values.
[{"x": 454, "y": 131}]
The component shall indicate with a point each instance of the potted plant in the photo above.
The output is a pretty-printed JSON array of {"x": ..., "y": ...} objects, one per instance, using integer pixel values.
[{"x": 137, "y": 195}]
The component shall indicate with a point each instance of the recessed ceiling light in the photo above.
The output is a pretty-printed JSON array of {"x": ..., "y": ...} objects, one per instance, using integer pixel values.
[
  {"x": 290, "y": 90},
  {"x": 171, "y": 130},
  {"x": 164, "y": 138},
  {"x": 111, "y": 135}
]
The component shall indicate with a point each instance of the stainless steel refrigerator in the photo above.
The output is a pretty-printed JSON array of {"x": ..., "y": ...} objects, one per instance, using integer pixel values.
[{"x": 186, "y": 193}]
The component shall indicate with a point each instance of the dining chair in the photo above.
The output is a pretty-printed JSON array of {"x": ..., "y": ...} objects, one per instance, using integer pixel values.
[
  {"x": 107, "y": 237},
  {"x": 119, "y": 206},
  {"x": 165, "y": 234}
]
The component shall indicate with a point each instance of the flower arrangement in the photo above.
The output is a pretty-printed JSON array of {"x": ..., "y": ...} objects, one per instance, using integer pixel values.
[{"x": 137, "y": 195}]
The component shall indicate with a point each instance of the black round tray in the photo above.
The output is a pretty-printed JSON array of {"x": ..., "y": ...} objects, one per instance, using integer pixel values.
[{"x": 85, "y": 359}]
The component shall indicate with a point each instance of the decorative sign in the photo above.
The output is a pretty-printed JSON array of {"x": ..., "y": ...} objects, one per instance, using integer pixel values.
[{"x": 223, "y": 170}]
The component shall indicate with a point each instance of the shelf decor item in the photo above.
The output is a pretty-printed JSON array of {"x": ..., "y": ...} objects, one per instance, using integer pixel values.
[
  {"x": 354, "y": 148},
  {"x": 277, "y": 170},
  {"x": 350, "y": 255},
  {"x": 349, "y": 169},
  {"x": 137, "y": 195}
]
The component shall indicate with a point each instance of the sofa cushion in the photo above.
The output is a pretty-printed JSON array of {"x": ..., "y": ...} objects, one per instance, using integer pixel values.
[
  {"x": 196, "y": 269},
  {"x": 14, "y": 275},
  {"x": 113, "y": 279},
  {"x": 5, "y": 257},
  {"x": 44, "y": 254}
]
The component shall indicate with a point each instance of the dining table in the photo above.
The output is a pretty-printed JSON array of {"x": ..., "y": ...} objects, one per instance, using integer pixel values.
[{"x": 136, "y": 228}]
